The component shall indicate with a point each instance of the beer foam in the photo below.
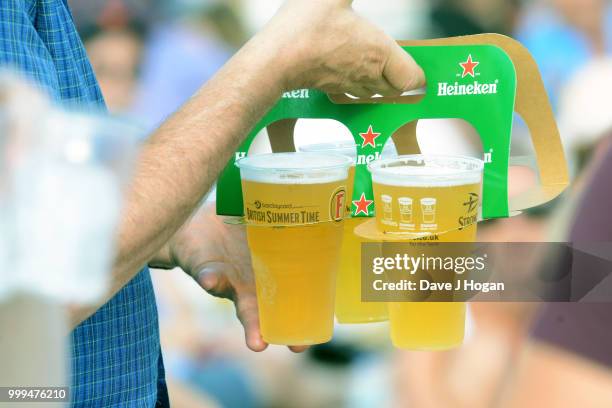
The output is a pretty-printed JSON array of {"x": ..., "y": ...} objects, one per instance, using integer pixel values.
[
  {"x": 294, "y": 168},
  {"x": 432, "y": 174}
]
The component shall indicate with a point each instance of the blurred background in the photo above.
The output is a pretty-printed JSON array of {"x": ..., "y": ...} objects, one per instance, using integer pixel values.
[{"x": 150, "y": 56}]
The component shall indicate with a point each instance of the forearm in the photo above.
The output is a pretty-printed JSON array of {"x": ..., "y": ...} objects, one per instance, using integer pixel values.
[
  {"x": 182, "y": 159},
  {"x": 315, "y": 44}
]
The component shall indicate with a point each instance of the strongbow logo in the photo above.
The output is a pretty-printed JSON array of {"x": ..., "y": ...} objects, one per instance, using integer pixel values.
[
  {"x": 471, "y": 203},
  {"x": 471, "y": 215},
  {"x": 362, "y": 205},
  {"x": 475, "y": 88}
]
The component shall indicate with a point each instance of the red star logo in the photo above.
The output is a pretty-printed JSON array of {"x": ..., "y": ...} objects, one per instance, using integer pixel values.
[
  {"x": 369, "y": 137},
  {"x": 362, "y": 205},
  {"x": 468, "y": 67}
]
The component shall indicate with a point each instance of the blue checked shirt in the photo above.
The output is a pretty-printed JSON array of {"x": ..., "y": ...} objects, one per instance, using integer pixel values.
[{"x": 116, "y": 356}]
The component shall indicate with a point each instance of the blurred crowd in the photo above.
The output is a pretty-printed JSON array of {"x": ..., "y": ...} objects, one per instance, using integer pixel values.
[{"x": 150, "y": 56}]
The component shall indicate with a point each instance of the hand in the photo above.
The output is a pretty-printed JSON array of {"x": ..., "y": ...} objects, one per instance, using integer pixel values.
[
  {"x": 216, "y": 255},
  {"x": 324, "y": 44}
]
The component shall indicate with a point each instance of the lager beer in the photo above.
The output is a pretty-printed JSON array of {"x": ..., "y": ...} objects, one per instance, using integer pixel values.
[
  {"x": 349, "y": 307},
  {"x": 447, "y": 190},
  {"x": 294, "y": 208}
]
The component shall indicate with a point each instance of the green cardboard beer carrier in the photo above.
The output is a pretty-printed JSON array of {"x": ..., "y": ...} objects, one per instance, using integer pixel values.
[{"x": 482, "y": 79}]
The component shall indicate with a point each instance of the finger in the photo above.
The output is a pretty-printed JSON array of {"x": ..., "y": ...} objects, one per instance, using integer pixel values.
[
  {"x": 383, "y": 88},
  {"x": 359, "y": 91},
  {"x": 247, "y": 312},
  {"x": 298, "y": 349},
  {"x": 401, "y": 70},
  {"x": 215, "y": 282}
]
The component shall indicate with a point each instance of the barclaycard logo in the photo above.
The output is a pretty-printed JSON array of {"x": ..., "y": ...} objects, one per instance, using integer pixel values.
[{"x": 475, "y": 88}]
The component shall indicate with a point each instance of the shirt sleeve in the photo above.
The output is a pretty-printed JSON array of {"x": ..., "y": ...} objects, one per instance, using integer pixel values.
[
  {"x": 21, "y": 49},
  {"x": 38, "y": 40}
]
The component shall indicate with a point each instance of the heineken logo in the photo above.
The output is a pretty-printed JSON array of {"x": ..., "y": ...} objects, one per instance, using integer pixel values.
[
  {"x": 468, "y": 69},
  {"x": 296, "y": 94},
  {"x": 367, "y": 158},
  {"x": 476, "y": 88},
  {"x": 362, "y": 206},
  {"x": 369, "y": 137}
]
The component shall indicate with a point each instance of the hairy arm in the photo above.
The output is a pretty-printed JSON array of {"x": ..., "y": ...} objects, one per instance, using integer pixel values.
[
  {"x": 179, "y": 163},
  {"x": 184, "y": 157},
  {"x": 309, "y": 43}
]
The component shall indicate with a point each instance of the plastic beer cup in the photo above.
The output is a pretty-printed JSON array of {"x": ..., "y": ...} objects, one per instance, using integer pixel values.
[
  {"x": 349, "y": 306},
  {"x": 447, "y": 189},
  {"x": 294, "y": 209}
]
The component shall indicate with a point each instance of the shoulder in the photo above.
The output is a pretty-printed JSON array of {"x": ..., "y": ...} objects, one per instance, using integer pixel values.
[
  {"x": 21, "y": 48},
  {"x": 38, "y": 39}
]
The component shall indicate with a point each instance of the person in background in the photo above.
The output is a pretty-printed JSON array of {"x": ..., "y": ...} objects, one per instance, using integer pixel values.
[
  {"x": 572, "y": 342},
  {"x": 111, "y": 13},
  {"x": 115, "y": 54},
  {"x": 182, "y": 52},
  {"x": 563, "y": 35},
  {"x": 451, "y": 18},
  {"x": 584, "y": 115},
  {"x": 569, "y": 351},
  {"x": 402, "y": 20}
]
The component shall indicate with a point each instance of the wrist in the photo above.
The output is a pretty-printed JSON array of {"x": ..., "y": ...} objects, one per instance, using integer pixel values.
[
  {"x": 164, "y": 258},
  {"x": 298, "y": 36},
  {"x": 272, "y": 58},
  {"x": 279, "y": 57}
]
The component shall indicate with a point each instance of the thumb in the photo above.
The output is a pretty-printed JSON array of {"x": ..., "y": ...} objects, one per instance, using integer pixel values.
[{"x": 402, "y": 71}]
